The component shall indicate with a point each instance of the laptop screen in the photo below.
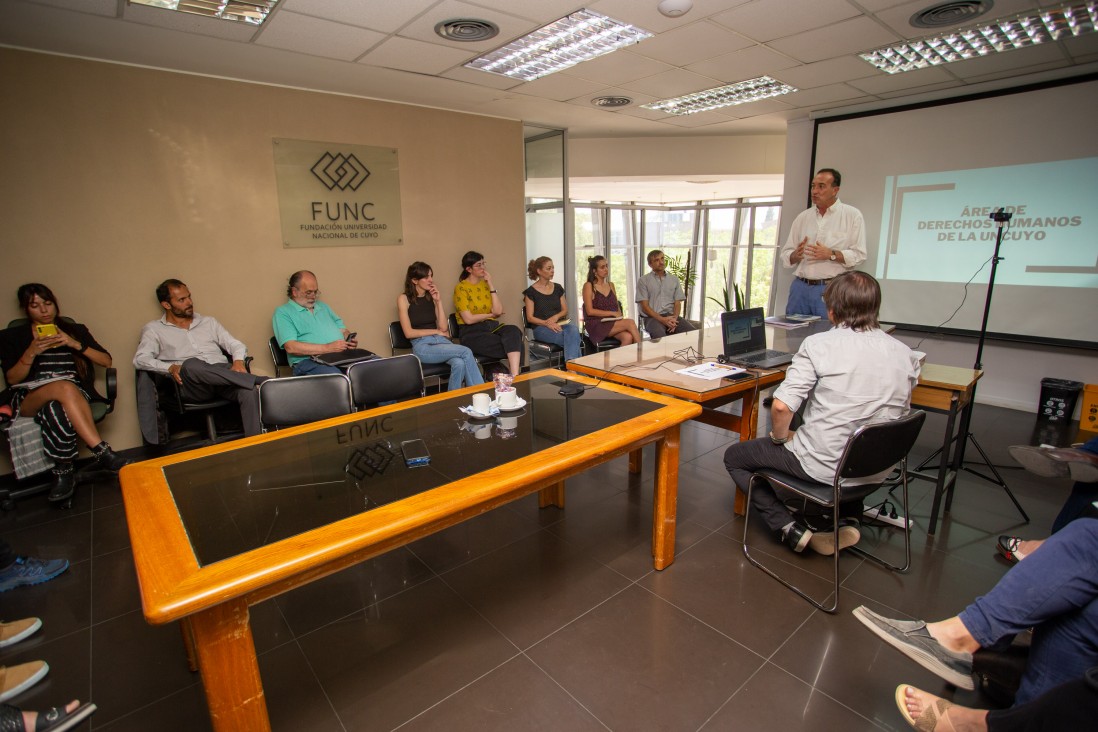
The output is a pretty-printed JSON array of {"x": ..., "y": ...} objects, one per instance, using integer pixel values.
[{"x": 744, "y": 331}]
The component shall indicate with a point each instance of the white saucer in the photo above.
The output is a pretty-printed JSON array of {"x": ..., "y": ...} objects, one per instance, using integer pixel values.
[
  {"x": 519, "y": 404},
  {"x": 474, "y": 414}
]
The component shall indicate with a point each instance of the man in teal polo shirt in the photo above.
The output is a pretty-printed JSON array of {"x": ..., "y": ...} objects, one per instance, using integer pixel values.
[{"x": 306, "y": 327}]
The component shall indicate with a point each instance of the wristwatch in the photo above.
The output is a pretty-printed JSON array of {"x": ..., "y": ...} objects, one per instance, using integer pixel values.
[
  {"x": 832, "y": 257},
  {"x": 779, "y": 440}
]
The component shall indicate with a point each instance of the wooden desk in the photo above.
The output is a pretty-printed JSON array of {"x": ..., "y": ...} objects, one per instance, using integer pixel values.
[
  {"x": 947, "y": 390},
  {"x": 219, "y": 529}
]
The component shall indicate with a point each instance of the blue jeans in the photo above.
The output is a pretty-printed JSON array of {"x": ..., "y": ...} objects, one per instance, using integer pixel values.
[
  {"x": 1055, "y": 591},
  {"x": 568, "y": 338},
  {"x": 439, "y": 349},
  {"x": 308, "y": 366},
  {"x": 805, "y": 299}
]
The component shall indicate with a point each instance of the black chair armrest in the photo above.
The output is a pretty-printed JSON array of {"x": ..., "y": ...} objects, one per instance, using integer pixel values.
[{"x": 110, "y": 381}]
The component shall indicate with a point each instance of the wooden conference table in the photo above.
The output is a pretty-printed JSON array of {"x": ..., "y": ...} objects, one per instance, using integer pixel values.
[
  {"x": 219, "y": 529},
  {"x": 653, "y": 365}
]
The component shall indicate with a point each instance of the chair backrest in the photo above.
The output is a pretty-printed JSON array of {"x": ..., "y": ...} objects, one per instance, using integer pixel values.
[
  {"x": 279, "y": 356},
  {"x": 303, "y": 399},
  {"x": 877, "y": 446},
  {"x": 385, "y": 380},
  {"x": 452, "y": 322},
  {"x": 397, "y": 339}
]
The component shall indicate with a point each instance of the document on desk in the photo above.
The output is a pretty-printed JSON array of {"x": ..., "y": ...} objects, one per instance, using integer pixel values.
[{"x": 710, "y": 371}]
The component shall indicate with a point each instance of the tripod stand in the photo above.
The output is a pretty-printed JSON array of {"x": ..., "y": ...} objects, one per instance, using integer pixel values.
[{"x": 964, "y": 433}]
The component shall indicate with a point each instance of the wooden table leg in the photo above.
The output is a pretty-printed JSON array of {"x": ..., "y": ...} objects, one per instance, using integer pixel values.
[
  {"x": 552, "y": 496},
  {"x": 188, "y": 643},
  {"x": 666, "y": 499},
  {"x": 635, "y": 458},
  {"x": 230, "y": 671}
]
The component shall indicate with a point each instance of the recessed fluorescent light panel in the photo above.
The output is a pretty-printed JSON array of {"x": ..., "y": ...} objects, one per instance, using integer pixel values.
[
  {"x": 579, "y": 37},
  {"x": 741, "y": 92},
  {"x": 984, "y": 39},
  {"x": 242, "y": 11}
]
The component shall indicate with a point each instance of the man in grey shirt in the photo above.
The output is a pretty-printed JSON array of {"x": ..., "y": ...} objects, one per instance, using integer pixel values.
[
  {"x": 853, "y": 374},
  {"x": 660, "y": 296},
  {"x": 191, "y": 348}
]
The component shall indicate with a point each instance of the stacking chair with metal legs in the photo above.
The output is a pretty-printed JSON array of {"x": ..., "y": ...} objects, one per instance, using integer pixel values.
[
  {"x": 873, "y": 449},
  {"x": 541, "y": 350},
  {"x": 435, "y": 373}
]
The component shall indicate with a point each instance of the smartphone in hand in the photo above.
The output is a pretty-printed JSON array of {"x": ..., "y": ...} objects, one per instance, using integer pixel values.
[
  {"x": 351, "y": 336},
  {"x": 45, "y": 330}
]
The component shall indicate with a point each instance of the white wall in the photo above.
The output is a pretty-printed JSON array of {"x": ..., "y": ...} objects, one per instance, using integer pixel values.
[{"x": 1012, "y": 372}]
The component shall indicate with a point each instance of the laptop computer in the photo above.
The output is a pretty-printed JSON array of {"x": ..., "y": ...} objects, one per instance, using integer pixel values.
[{"x": 744, "y": 334}]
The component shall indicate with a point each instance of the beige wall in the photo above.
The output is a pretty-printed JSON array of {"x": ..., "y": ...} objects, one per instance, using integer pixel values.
[{"x": 115, "y": 178}]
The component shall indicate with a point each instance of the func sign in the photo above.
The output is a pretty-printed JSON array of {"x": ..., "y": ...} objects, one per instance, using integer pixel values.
[{"x": 333, "y": 195}]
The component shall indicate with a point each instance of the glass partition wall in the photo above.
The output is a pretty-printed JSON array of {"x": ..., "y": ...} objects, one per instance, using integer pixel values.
[
  {"x": 716, "y": 244},
  {"x": 713, "y": 245}
]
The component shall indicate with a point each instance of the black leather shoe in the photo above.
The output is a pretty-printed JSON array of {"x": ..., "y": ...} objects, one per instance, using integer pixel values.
[
  {"x": 796, "y": 536},
  {"x": 64, "y": 485},
  {"x": 111, "y": 460}
]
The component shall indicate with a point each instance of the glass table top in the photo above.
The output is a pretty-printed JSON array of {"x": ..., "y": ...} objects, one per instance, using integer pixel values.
[{"x": 239, "y": 500}]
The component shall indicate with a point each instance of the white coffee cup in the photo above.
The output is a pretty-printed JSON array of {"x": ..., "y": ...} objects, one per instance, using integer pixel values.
[
  {"x": 507, "y": 399},
  {"x": 482, "y": 403}
]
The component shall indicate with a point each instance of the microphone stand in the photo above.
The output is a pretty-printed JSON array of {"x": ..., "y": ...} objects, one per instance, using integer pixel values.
[{"x": 964, "y": 433}]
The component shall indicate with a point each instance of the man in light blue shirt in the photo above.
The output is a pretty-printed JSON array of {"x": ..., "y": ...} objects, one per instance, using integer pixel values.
[{"x": 305, "y": 327}]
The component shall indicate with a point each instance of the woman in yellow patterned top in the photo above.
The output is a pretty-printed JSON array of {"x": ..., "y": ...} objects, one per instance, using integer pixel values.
[{"x": 478, "y": 310}]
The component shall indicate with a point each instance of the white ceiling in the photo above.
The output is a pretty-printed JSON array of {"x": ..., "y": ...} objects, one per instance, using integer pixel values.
[{"x": 387, "y": 49}]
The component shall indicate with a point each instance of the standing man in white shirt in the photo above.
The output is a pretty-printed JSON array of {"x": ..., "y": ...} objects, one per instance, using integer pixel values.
[
  {"x": 848, "y": 376},
  {"x": 191, "y": 348},
  {"x": 824, "y": 241}
]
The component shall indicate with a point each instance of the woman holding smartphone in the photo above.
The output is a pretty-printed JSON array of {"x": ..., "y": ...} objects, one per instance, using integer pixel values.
[
  {"x": 46, "y": 364},
  {"x": 424, "y": 324}
]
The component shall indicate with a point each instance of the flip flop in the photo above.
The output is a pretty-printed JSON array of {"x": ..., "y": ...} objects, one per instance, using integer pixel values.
[
  {"x": 58, "y": 720},
  {"x": 928, "y": 720}
]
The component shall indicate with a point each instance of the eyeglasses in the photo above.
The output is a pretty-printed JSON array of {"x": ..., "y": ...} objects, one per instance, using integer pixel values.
[
  {"x": 309, "y": 293},
  {"x": 481, "y": 264}
]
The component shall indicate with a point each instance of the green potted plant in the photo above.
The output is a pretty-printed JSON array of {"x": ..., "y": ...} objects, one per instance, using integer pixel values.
[{"x": 729, "y": 299}]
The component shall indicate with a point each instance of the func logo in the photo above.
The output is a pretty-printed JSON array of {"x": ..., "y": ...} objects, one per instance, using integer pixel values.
[{"x": 344, "y": 172}]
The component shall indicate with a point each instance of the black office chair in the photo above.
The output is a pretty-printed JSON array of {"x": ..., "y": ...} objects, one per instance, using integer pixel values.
[
  {"x": 385, "y": 380},
  {"x": 302, "y": 399},
  {"x": 541, "y": 350},
  {"x": 101, "y": 406},
  {"x": 279, "y": 357},
  {"x": 872, "y": 449},
  {"x": 590, "y": 347},
  {"x": 482, "y": 361},
  {"x": 434, "y": 373},
  {"x": 170, "y": 401}
]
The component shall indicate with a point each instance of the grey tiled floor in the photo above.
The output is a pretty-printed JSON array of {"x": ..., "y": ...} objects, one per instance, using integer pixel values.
[{"x": 539, "y": 619}]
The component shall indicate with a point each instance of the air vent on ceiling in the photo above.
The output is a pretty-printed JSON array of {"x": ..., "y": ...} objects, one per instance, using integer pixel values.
[
  {"x": 610, "y": 102},
  {"x": 954, "y": 12},
  {"x": 467, "y": 29}
]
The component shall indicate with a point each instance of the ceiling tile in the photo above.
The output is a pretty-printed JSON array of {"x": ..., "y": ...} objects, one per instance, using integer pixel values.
[
  {"x": 765, "y": 20},
  {"x": 482, "y": 78},
  {"x": 636, "y": 111},
  {"x": 94, "y": 7},
  {"x": 763, "y": 106},
  {"x": 643, "y": 13},
  {"x": 849, "y": 36},
  {"x": 541, "y": 11},
  {"x": 510, "y": 27},
  {"x": 619, "y": 67},
  {"x": 920, "y": 90},
  {"x": 1076, "y": 48},
  {"x": 881, "y": 82},
  {"x": 380, "y": 15},
  {"x": 673, "y": 83},
  {"x": 409, "y": 55},
  {"x": 559, "y": 86},
  {"x": 746, "y": 64},
  {"x": 188, "y": 23},
  {"x": 317, "y": 37},
  {"x": 821, "y": 95},
  {"x": 701, "y": 119},
  {"x": 833, "y": 70},
  {"x": 690, "y": 43}
]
